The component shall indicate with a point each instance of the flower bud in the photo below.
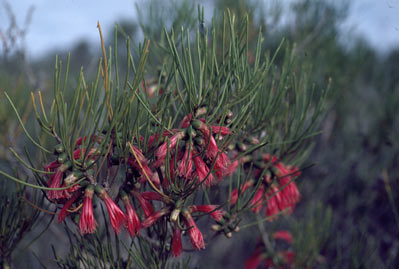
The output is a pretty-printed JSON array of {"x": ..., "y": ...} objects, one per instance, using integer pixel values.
[
  {"x": 215, "y": 227},
  {"x": 252, "y": 140},
  {"x": 197, "y": 124},
  {"x": 59, "y": 149},
  {"x": 241, "y": 146},
  {"x": 201, "y": 111},
  {"x": 72, "y": 177},
  {"x": 116, "y": 216},
  {"x": 174, "y": 215},
  {"x": 63, "y": 157},
  {"x": 87, "y": 223}
]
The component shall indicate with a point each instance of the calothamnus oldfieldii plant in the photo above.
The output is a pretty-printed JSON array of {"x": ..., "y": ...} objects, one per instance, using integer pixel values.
[{"x": 220, "y": 133}]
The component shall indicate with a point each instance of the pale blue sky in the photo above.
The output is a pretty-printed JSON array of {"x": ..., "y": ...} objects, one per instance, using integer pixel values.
[{"x": 58, "y": 24}]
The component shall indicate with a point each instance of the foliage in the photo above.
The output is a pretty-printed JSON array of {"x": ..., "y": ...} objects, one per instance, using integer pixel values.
[
  {"x": 170, "y": 148},
  {"x": 268, "y": 93}
]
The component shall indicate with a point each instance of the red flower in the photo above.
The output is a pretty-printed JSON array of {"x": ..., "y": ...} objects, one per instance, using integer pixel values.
[
  {"x": 289, "y": 194},
  {"x": 288, "y": 256},
  {"x": 155, "y": 137},
  {"x": 161, "y": 152},
  {"x": 176, "y": 242},
  {"x": 281, "y": 194},
  {"x": 186, "y": 164},
  {"x": 116, "y": 216},
  {"x": 56, "y": 180},
  {"x": 132, "y": 219},
  {"x": 195, "y": 234},
  {"x": 222, "y": 130},
  {"x": 144, "y": 169},
  {"x": 152, "y": 196},
  {"x": 69, "y": 180},
  {"x": 257, "y": 200},
  {"x": 87, "y": 223},
  {"x": 64, "y": 211},
  {"x": 202, "y": 171},
  {"x": 283, "y": 235},
  {"x": 77, "y": 153},
  {"x": 231, "y": 168},
  {"x": 215, "y": 214},
  {"x": 52, "y": 165},
  {"x": 254, "y": 261},
  {"x": 150, "y": 220},
  {"x": 151, "y": 89},
  {"x": 234, "y": 193},
  {"x": 186, "y": 121},
  {"x": 272, "y": 206},
  {"x": 147, "y": 207},
  {"x": 222, "y": 165}
]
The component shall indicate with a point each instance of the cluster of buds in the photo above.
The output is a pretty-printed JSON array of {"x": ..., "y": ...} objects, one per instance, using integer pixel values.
[
  {"x": 277, "y": 190},
  {"x": 261, "y": 258}
]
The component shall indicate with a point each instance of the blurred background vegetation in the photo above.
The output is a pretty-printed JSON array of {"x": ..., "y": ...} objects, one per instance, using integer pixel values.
[{"x": 356, "y": 171}]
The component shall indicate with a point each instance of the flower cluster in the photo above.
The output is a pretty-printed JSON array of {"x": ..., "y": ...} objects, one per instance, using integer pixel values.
[
  {"x": 190, "y": 155},
  {"x": 277, "y": 189},
  {"x": 161, "y": 181},
  {"x": 261, "y": 258},
  {"x": 194, "y": 153}
]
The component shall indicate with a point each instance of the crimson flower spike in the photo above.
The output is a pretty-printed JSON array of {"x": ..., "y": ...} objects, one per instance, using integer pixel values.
[
  {"x": 116, "y": 216},
  {"x": 176, "y": 242},
  {"x": 87, "y": 223},
  {"x": 195, "y": 234},
  {"x": 132, "y": 219}
]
